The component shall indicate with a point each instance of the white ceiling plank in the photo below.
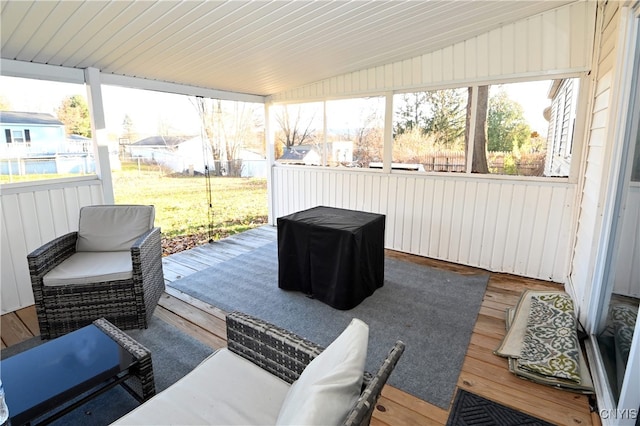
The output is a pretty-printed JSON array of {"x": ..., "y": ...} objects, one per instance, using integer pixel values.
[
  {"x": 169, "y": 28},
  {"x": 82, "y": 28},
  {"x": 46, "y": 32},
  {"x": 255, "y": 47},
  {"x": 23, "y": 32}
]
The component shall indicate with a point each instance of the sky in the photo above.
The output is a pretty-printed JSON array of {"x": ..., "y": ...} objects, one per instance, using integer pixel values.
[{"x": 145, "y": 108}]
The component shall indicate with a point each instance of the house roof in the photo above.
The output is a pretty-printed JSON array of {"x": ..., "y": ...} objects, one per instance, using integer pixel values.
[
  {"x": 162, "y": 141},
  {"x": 17, "y": 117},
  {"x": 296, "y": 152},
  {"x": 252, "y": 47}
]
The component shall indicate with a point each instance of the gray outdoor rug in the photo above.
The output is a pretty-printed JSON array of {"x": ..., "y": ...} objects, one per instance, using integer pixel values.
[
  {"x": 173, "y": 354},
  {"x": 431, "y": 310}
]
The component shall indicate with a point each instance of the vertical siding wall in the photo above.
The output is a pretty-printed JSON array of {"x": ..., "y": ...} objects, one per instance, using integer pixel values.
[
  {"x": 501, "y": 225},
  {"x": 590, "y": 209},
  {"x": 33, "y": 214},
  {"x": 558, "y": 41}
]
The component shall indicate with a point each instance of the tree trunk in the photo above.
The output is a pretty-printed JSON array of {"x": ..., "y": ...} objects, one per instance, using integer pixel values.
[{"x": 479, "y": 144}]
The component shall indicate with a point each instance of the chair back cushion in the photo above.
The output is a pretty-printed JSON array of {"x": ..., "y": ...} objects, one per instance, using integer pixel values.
[
  {"x": 113, "y": 227},
  {"x": 330, "y": 385}
]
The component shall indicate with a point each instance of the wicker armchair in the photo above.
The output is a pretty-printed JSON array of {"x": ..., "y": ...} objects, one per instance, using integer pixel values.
[
  {"x": 285, "y": 355},
  {"x": 110, "y": 268},
  {"x": 248, "y": 382}
]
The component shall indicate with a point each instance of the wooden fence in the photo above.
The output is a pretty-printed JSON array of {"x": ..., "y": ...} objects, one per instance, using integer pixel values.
[{"x": 504, "y": 163}]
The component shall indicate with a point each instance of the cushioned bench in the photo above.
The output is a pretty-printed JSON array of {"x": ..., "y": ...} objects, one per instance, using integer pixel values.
[{"x": 268, "y": 375}]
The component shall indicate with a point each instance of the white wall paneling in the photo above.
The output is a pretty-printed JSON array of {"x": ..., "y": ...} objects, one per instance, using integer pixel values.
[
  {"x": 502, "y": 225},
  {"x": 32, "y": 214}
]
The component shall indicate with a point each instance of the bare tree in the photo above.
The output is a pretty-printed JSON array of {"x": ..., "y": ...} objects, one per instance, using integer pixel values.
[
  {"x": 295, "y": 130},
  {"x": 368, "y": 139},
  {"x": 209, "y": 114},
  {"x": 236, "y": 126}
]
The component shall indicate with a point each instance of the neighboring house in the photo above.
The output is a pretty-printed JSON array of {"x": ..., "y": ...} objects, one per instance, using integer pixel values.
[
  {"x": 253, "y": 164},
  {"x": 189, "y": 154},
  {"x": 302, "y": 154},
  {"x": 178, "y": 153},
  {"x": 26, "y": 133},
  {"x": 36, "y": 143},
  {"x": 340, "y": 151}
]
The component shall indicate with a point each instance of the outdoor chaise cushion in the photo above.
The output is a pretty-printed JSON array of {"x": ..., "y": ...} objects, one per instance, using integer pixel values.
[
  {"x": 224, "y": 389},
  {"x": 333, "y": 379},
  {"x": 269, "y": 376}
]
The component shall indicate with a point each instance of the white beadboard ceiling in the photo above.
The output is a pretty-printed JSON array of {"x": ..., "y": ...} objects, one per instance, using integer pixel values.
[{"x": 253, "y": 47}]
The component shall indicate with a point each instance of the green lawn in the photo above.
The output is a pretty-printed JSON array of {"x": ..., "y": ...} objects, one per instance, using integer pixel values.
[{"x": 182, "y": 203}]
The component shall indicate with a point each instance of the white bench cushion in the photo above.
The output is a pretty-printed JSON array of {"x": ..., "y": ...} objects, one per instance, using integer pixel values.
[
  {"x": 112, "y": 227},
  {"x": 330, "y": 385},
  {"x": 91, "y": 267},
  {"x": 225, "y": 389}
]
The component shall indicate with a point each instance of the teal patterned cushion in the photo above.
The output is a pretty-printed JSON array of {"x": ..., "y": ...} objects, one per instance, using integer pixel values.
[{"x": 551, "y": 346}]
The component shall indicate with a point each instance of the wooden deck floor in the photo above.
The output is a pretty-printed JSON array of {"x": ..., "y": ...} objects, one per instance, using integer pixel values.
[{"x": 482, "y": 373}]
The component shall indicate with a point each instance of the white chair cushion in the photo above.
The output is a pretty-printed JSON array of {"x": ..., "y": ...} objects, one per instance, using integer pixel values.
[
  {"x": 330, "y": 385},
  {"x": 91, "y": 267},
  {"x": 225, "y": 389},
  {"x": 112, "y": 227}
]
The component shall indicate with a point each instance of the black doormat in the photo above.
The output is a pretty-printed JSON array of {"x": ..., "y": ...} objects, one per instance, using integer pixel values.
[{"x": 470, "y": 409}]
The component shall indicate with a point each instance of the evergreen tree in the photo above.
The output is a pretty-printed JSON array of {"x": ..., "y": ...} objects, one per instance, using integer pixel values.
[
  {"x": 74, "y": 113},
  {"x": 446, "y": 123},
  {"x": 411, "y": 113}
]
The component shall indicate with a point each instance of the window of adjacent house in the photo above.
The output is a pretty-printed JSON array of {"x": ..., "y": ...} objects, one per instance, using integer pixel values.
[
  {"x": 40, "y": 121},
  {"x": 299, "y": 133},
  {"x": 355, "y": 132},
  {"x": 17, "y": 136}
]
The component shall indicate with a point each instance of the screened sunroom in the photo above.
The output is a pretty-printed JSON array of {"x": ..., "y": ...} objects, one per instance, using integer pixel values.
[{"x": 501, "y": 136}]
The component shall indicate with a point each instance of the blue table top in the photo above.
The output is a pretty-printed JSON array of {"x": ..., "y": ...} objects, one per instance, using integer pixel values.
[{"x": 41, "y": 378}]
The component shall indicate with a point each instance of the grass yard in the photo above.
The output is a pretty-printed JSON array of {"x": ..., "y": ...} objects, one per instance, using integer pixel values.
[{"x": 182, "y": 203}]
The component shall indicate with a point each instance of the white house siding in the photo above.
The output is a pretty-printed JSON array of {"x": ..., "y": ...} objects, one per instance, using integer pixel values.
[
  {"x": 554, "y": 42},
  {"x": 37, "y": 212},
  {"x": 590, "y": 207},
  {"x": 495, "y": 224},
  {"x": 44, "y": 139}
]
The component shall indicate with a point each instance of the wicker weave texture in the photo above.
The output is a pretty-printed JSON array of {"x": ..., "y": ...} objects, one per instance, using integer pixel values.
[
  {"x": 125, "y": 303},
  {"x": 142, "y": 382},
  {"x": 285, "y": 354}
]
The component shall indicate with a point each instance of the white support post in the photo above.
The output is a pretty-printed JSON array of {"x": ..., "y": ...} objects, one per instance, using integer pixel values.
[
  {"x": 472, "y": 129},
  {"x": 387, "y": 153},
  {"x": 268, "y": 132},
  {"x": 99, "y": 132}
]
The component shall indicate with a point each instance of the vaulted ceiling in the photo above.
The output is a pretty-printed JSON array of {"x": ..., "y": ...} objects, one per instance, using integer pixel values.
[{"x": 254, "y": 47}]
